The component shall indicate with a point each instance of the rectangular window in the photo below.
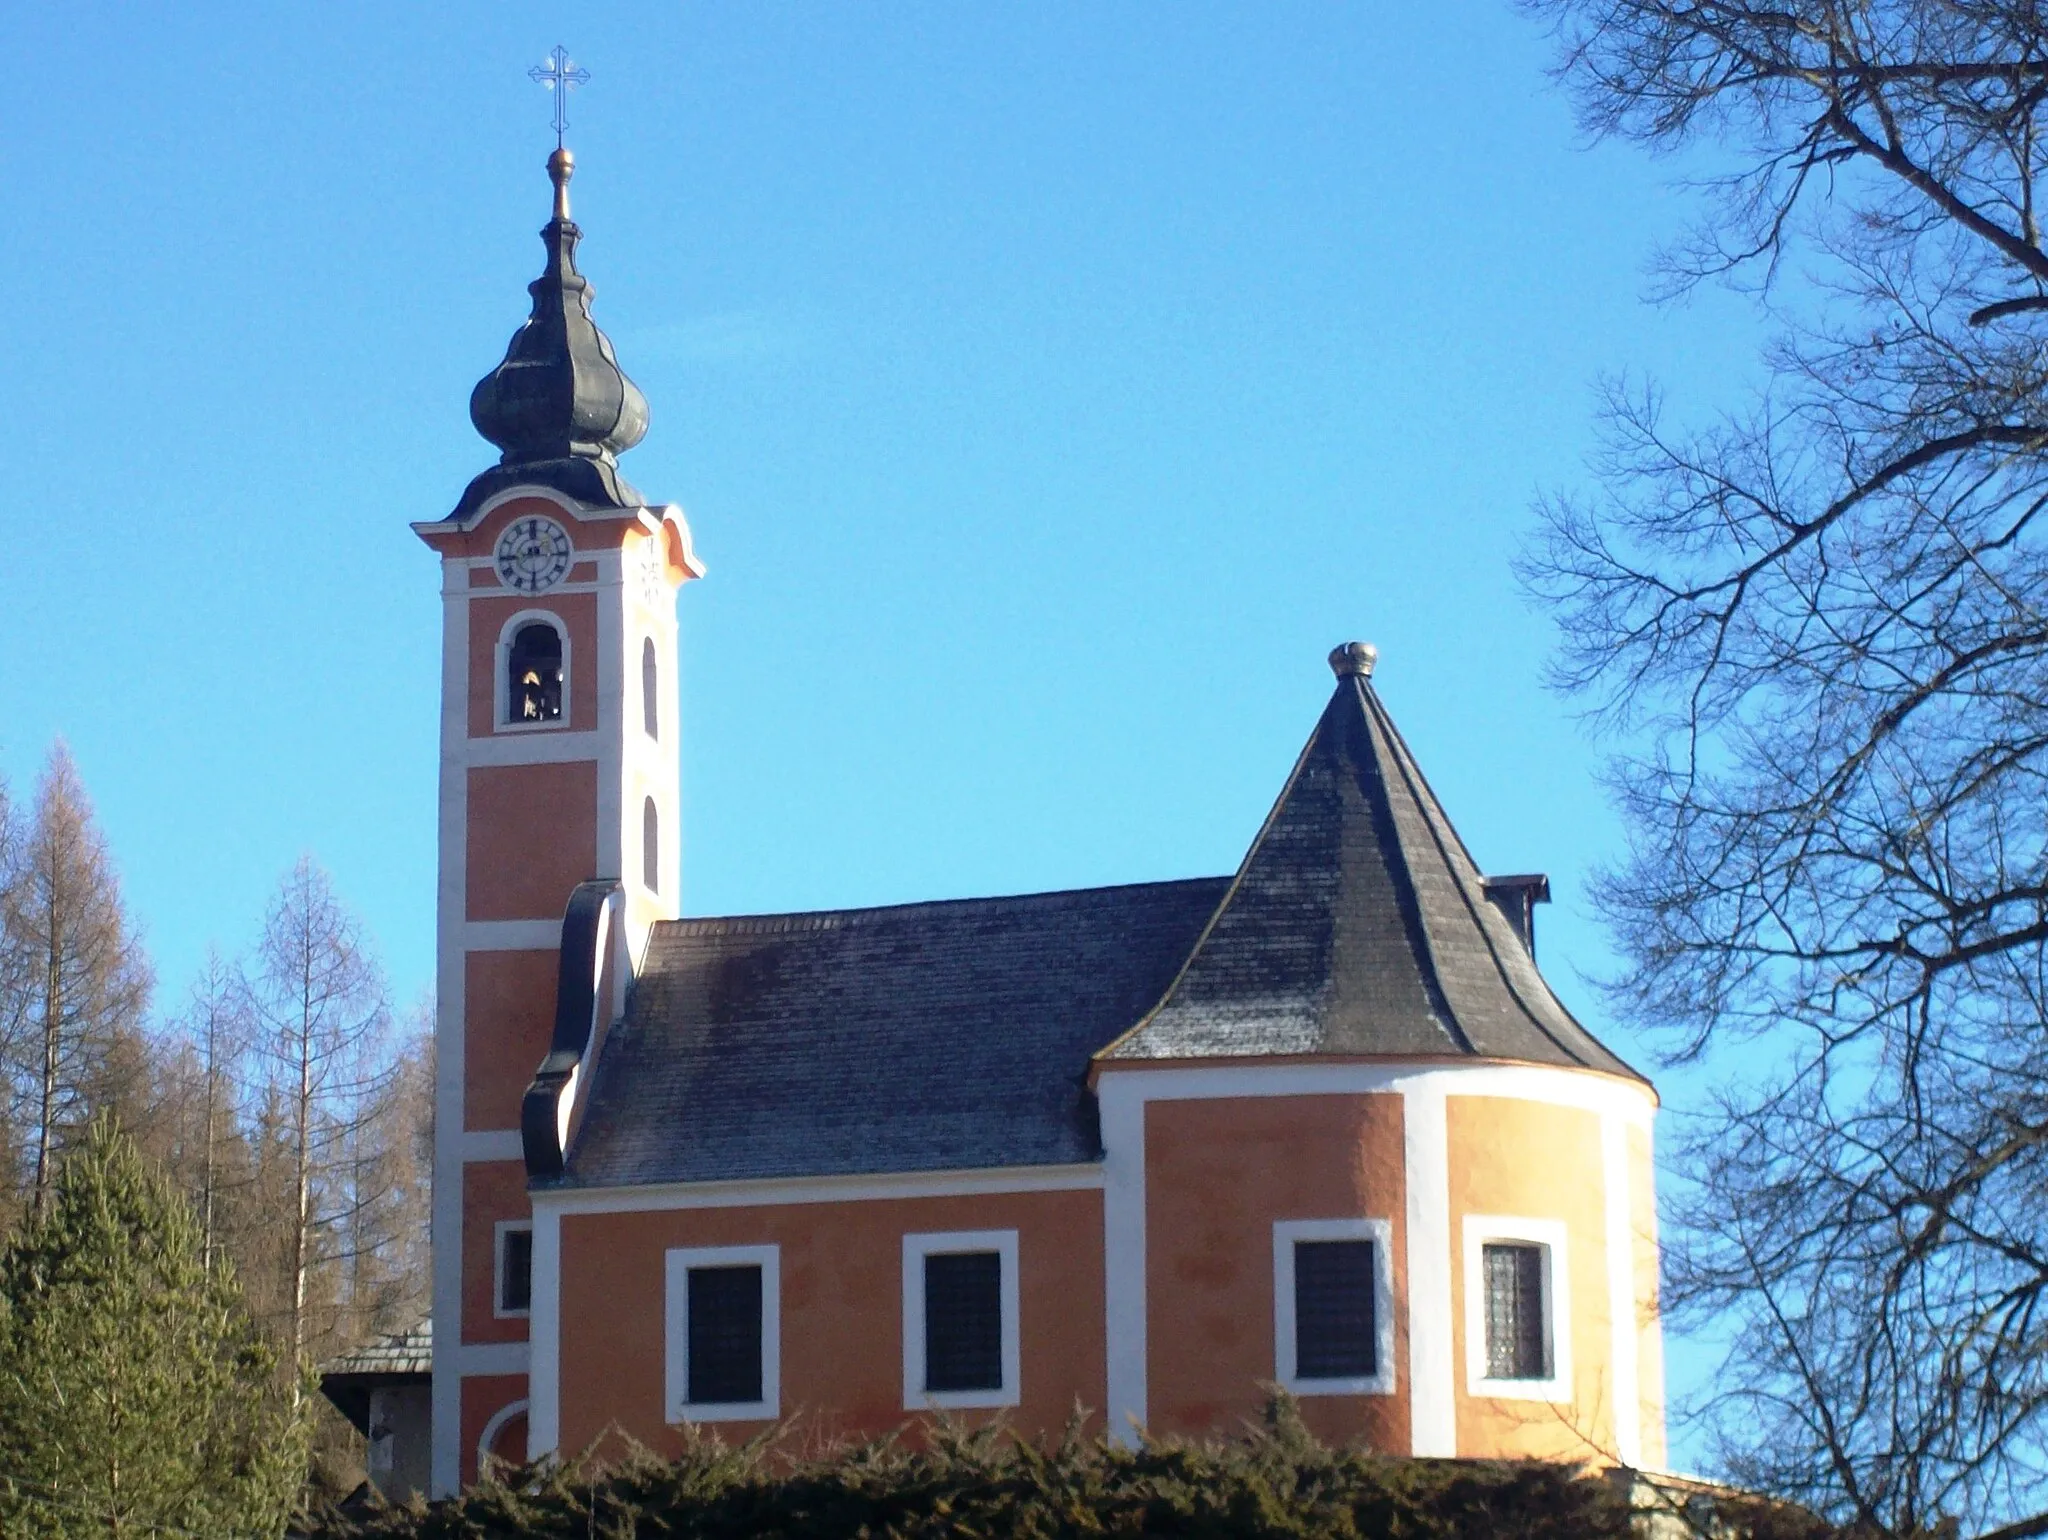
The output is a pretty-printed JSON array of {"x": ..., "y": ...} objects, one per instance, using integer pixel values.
[
  {"x": 1333, "y": 1306},
  {"x": 961, "y": 1334},
  {"x": 1334, "y": 1333},
  {"x": 1514, "y": 1312},
  {"x": 514, "y": 1269},
  {"x": 963, "y": 1321},
  {"x": 1518, "y": 1316},
  {"x": 724, "y": 1333},
  {"x": 724, "y": 1305}
]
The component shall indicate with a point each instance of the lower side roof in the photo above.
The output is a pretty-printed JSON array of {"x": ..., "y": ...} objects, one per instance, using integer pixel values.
[{"x": 918, "y": 1037}]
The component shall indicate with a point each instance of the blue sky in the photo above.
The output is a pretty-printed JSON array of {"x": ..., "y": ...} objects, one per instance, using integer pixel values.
[{"x": 1049, "y": 387}]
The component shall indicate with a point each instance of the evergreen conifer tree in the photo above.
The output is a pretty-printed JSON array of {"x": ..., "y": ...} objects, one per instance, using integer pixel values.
[{"x": 136, "y": 1396}]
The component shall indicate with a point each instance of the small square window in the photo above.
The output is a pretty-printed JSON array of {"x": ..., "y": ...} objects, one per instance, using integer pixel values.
[
  {"x": 514, "y": 1269},
  {"x": 1333, "y": 1306},
  {"x": 961, "y": 1333},
  {"x": 724, "y": 1333}
]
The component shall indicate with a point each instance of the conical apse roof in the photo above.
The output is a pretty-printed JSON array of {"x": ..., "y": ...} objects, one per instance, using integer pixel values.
[{"x": 1358, "y": 924}]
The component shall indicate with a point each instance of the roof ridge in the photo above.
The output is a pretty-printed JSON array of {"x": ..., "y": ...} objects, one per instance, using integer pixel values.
[
  {"x": 1438, "y": 823},
  {"x": 796, "y": 919}
]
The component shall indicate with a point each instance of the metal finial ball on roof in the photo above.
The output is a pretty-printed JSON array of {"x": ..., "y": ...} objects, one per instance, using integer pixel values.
[
  {"x": 561, "y": 166},
  {"x": 1354, "y": 660}
]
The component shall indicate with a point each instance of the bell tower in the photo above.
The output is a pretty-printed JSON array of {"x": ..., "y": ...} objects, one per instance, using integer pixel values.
[{"x": 559, "y": 765}]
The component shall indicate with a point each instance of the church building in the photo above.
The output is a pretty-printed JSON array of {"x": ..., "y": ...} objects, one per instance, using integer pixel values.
[{"x": 1149, "y": 1149}]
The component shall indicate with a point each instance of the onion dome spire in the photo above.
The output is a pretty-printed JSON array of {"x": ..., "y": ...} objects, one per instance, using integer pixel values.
[{"x": 559, "y": 406}]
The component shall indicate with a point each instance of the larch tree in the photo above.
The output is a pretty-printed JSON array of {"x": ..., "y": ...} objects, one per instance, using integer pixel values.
[
  {"x": 217, "y": 1033},
  {"x": 83, "y": 979},
  {"x": 1816, "y": 626},
  {"x": 321, "y": 1015},
  {"x": 137, "y": 1397}
]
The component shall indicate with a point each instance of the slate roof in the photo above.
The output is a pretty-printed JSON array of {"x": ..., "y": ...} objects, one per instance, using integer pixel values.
[
  {"x": 920, "y": 1037},
  {"x": 1359, "y": 925},
  {"x": 960, "y": 1035}
]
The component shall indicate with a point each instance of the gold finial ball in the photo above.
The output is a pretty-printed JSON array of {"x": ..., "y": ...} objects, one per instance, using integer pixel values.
[
  {"x": 561, "y": 166},
  {"x": 1354, "y": 660}
]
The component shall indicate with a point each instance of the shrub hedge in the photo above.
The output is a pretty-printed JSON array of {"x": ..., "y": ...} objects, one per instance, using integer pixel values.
[{"x": 1275, "y": 1483}]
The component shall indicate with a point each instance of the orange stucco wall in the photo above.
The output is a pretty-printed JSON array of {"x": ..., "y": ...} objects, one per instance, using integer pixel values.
[
  {"x": 532, "y": 838},
  {"x": 1218, "y": 1175},
  {"x": 509, "y": 1015},
  {"x": 482, "y": 1396},
  {"x": 492, "y": 1190},
  {"x": 841, "y": 1305},
  {"x": 1528, "y": 1160}
]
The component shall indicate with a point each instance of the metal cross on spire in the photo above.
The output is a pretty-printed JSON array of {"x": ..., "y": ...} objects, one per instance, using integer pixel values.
[{"x": 561, "y": 75}]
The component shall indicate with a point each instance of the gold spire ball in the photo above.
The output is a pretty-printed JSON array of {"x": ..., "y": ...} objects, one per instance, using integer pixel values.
[{"x": 561, "y": 166}]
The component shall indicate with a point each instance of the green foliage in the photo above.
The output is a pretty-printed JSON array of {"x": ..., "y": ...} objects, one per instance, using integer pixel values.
[
  {"x": 1277, "y": 1483},
  {"x": 136, "y": 1396}
]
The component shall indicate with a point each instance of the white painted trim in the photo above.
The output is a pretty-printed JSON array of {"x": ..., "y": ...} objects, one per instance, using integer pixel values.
[
  {"x": 1287, "y": 1234},
  {"x": 511, "y": 935},
  {"x": 473, "y": 1358},
  {"x": 501, "y": 684},
  {"x": 1585, "y": 1089},
  {"x": 916, "y": 1248},
  {"x": 1557, "y": 1306},
  {"x": 451, "y": 898},
  {"x": 1432, "y": 1355},
  {"x": 676, "y": 1360},
  {"x": 529, "y": 745},
  {"x": 772, "y": 1191},
  {"x": 1122, "y": 1110},
  {"x": 544, "y": 1337},
  {"x": 1621, "y": 1293},
  {"x": 499, "y": 1418},
  {"x": 492, "y": 1144},
  {"x": 507, "y": 1227}
]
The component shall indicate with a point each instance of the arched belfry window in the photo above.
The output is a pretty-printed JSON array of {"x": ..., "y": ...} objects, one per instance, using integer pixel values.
[
  {"x": 650, "y": 689},
  {"x": 650, "y": 846},
  {"x": 533, "y": 674}
]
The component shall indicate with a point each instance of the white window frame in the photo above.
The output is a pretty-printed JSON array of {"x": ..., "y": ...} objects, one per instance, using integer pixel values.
[
  {"x": 506, "y": 1227},
  {"x": 677, "y": 1404},
  {"x": 1549, "y": 1234},
  {"x": 1286, "y": 1233},
  {"x": 941, "y": 1243},
  {"x": 501, "y": 686}
]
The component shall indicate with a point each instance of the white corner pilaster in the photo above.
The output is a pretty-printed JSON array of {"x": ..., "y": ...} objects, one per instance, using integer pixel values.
[
  {"x": 1432, "y": 1362},
  {"x": 544, "y": 1334},
  {"x": 1621, "y": 1292},
  {"x": 1122, "y": 1109}
]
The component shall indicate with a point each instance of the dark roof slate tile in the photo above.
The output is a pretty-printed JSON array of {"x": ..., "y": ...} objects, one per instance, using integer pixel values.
[
  {"x": 920, "y": 1037},
  {"x": 1359, "y": 925}
]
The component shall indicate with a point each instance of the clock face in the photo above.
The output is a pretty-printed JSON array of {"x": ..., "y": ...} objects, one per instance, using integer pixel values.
[{"x": 534, "y": 554}]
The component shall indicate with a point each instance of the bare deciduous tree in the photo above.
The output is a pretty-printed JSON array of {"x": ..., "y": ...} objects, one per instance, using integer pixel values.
[
  {"x": 1818, "y": 628},
  {"x": 84, "y": 980},
  {"x": 322, "y": 1014}
]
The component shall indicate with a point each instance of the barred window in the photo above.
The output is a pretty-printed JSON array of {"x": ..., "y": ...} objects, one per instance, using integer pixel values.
[
  {"x": 724, "y": 1327},
  {"x": 1517, "y": 1346},
  {"x": 1336, "y": 1335},
  {"x": 963, "y": 1321}
]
